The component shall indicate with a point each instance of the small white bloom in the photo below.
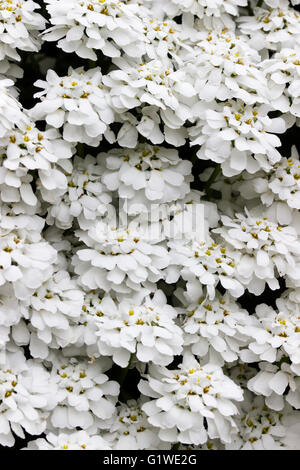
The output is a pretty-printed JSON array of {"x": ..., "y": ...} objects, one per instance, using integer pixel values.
[
  {"x": 82, "y": 198},
  {"x": 52, "y": 310},
  {"x": 278, "y": 189},
  {"x": 120, "y": 259},
  {"x": 185, "y": 396},
  {"x": 79, "y": 102},
  {"x": 266, "y": 250},
  {"x": 273, "y": 28},
  {"x": 84, "y": 393},
  {"x": 163, "y": 38},
  {"x": 283, "y": 74},
  {"x": 10, "y": 109},
  {"x": 130, "y": 429},
  {"x": 272, "y": 382},
  {"x": 147, "y": 329},
  {"x": 237, "y": 135},
  {"x": 77, "y": 440},
  {"x": 222, "y": 65},
  {"x": 214, "y": 13},
  {"x": 261, "y": 428},
  {"x": 278, "y": 329},
  {"x": 218, "y": 328},
  {"x": 27, "y": 148},
  {"x": 20, "y": 26},
  {"x": 25, "y": 258},
  {"x": 155, "y": 83},
  {"x": 206, "y": 263},
  {"x": 89, "y": 26},
  {"x": 146, "y": 174},
  {"x": 25, "y": 389}
]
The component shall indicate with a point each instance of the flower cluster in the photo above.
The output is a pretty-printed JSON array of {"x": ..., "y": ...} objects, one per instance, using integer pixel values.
[
  {"x": 149, "y": 225},
  {"x": 78, "y": 102}
]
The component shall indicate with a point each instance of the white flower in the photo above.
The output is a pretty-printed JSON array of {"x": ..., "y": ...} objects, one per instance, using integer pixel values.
[
  {"x": 156, "y": 83},
  {"x": 278, "y": 329},
  {"x": 20, "y": 26},
  {"x": 190, "y": 217},
  {"x": 273, "y": 28},
  {"x": 218, "y": 327},
  {"x": 238, "y": 136},
  {"x": 206, "y": 263},
  {"x": 62, "y": 245},
  {"x": 119, "y": 259},
  {"x": 273, "y": 381},
  {"x": 222, "y": 65},
  {"x": 79, "y": 102},
  {"x": 52, "y": 310},
  {"x": 26, "y": 148},
  {"x": 11, "y": 71},
  {"x": 146, "y": 174},
  {"x": 266, "y": 249},
  {"x": 11, "y": 312},
  {"x": 83, "y": 197},
  {"x": 147, "y": 329},
  {"x": 278, "y": 189},
  {"x": 25, "y": 258},
  {"x": 205, "y": 9},
  {"x": 84, "y": 393},
  {"x": 87, "y": 323},
  {"x": 184, "y": 397},
  {"x": 77, "y": 440},
  {"x": 147, "y": 122},
  {"x": 25, "y": 389},
  {"x": 10, "y": 109},
  {"x": 130, "y": 429},
  {"x": 276, "y": 3},
  {"x": 89, "y": 26},
  {"x": 15, "y": 187},
  {"x": 163, "y": 38},
  {"x": 261, "y": 428},
  {"x": 15, "y": 216},
  {"x": 293, "y": 396},
  {"x": 283, "y": 74}
]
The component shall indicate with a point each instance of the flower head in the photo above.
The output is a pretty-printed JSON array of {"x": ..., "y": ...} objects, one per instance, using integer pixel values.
[
  {"x": 78, "y": 102},
  {"x": 185, "y": 396},
  {"x": 88, "y": 26}
]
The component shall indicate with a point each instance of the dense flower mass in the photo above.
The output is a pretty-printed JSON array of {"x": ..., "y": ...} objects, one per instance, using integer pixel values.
[
  {"x": 20, "y": 26},
  {"x": 78, "y": 102},
  {"x": 89, "y": 26},
  {"x": 185, "y": 396},
  {"x": 149, "y": 225}
]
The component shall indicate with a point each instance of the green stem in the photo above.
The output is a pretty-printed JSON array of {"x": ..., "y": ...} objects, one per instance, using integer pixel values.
[
  {"x": 259, "y": 3},
  {"x": 92, "y": 64},
  {"x": 212, "y": 178},
  {"x": 80, "y": 150}
]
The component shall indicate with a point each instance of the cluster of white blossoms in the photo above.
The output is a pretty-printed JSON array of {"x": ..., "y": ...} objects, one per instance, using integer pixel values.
[
  {"x": 187, "y": 397},
  {"x": 20, "y": 27},
  {"x": 77, "y": 102},
  {"x": 149, "y": 225},
  {"x": 146, "y": 174},
  {"x": 273, "y": 26},
  {"x": 86, "y": 27}
]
